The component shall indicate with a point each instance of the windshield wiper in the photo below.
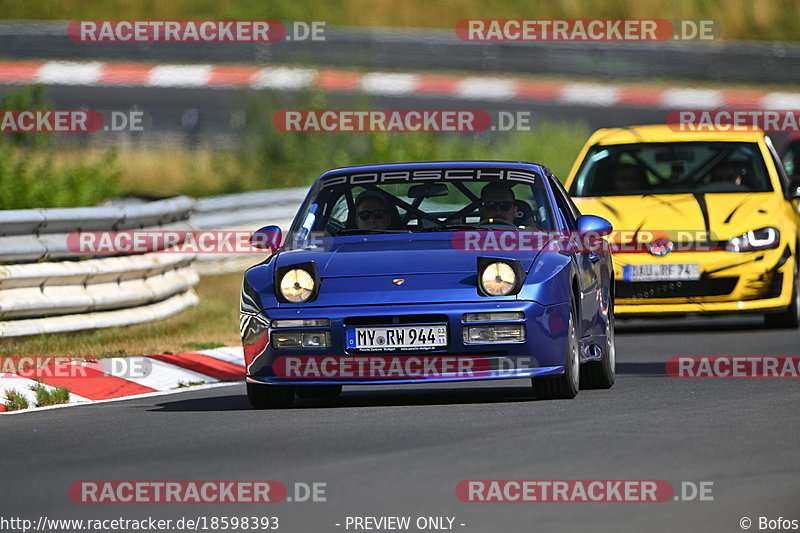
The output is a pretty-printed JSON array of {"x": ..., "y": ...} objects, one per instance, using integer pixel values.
[
  {"x": 357, "y": 231},
  {"x": 457, "y": 227}
]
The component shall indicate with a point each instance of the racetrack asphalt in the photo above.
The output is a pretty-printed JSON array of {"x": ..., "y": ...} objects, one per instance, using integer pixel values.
[
  {"x": 218, "y": 110},
  {"x": 401, "y": 451}
]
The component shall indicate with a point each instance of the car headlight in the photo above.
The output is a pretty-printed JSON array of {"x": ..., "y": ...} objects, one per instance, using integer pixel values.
[
  {"x": 758, "y": 239},
  {"x": 498, "y": 279},
  {"x": 297, "y": 285}
]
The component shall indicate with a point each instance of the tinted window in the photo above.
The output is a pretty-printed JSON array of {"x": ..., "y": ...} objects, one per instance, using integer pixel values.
[{"x": 671, "y": 168}]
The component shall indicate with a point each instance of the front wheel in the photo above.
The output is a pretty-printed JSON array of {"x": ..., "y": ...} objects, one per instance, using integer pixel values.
[
  {"x": 566, "y": 385},
  {"x": 270, "y": 396},
  {"x": 790, "y": 318}
]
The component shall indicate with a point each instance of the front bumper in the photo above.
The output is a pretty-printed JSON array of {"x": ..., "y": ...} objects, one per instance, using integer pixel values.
[
  {"x": 730, "y": 283},
  {"x": 541, "y": 354}
]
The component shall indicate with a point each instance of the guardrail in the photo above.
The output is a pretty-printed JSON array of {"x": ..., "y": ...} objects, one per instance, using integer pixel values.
[
  {"x": 70, "y": 294},
  {"x": 50, "y": 288},
  {"x": 732, "y": 61},
  {"x": 243, "y": 212}
]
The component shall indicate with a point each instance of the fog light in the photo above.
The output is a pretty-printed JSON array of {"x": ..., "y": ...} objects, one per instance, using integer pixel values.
[
  {"x": 492, "y": 317},
  {"x": 494, "y": 334},
  {"x": 316, "y": 339},
  {"x": 302, "y": 323},
  {"x": 301, "y": 339}
]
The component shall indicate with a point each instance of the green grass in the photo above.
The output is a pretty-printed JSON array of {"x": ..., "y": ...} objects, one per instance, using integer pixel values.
[
  {"x": 29, "y": 175},
  {"x": 270, "y": 158},
  {"x": 777, "y": 20},
  {"x": 204, "y": 345},
  {"x": 45, "y": 396},
  {"x": 15, "y": 401},
  {"x": 34, "y": 174},
  {"x": 183, "y": 385}
]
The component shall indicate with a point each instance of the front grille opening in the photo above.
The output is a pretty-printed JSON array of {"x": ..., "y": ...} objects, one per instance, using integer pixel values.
[
  {"x": 775, "y": 286},
  {"x": 392, "y": 320},
  {"x": 636, "y": 290}
]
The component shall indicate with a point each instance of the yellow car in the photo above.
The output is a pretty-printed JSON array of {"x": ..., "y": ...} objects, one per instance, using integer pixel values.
[{"x": 705, "y": 222}]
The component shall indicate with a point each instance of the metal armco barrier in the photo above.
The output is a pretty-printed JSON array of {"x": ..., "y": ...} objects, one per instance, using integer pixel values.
[
  {"x": 731, "y": 61},
  {"x": 45, "y": 288},
  {"x": 39, "y": 295},
  {"x": 243, "y": 212}
]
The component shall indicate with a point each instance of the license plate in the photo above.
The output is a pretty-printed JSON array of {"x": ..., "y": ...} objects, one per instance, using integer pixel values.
[
  {"x": 661, "y": 272},
  {"x": 397, "y": 337}
]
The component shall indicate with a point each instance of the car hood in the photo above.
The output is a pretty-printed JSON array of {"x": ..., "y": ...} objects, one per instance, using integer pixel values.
[
  {"x": 393, "y": 255},
  {"x": 723, "y": 216}
]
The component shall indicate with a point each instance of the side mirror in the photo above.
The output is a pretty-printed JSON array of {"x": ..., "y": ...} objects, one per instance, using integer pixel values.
[
  {"x": 594, "y": 224},
  {"x": 267, "y": 238},
  {"x": 794, "y": 188}
]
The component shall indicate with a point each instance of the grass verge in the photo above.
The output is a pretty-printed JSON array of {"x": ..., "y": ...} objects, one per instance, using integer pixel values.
[
  {"x": 45, "y": 396},
  {"x": 15, "y": 401}
]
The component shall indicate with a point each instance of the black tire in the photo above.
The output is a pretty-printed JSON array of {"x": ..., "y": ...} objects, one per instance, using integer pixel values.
[
  {"x": 270, "y": 396},
  {"x": 601, "y": 374},
  {"x": 790, "y": 318},
  {"x": 565, "y": 386},
  {"x": 319, "y": 391}
]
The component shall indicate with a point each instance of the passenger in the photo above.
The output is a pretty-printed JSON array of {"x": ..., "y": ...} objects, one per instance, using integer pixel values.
[
  {"x": 374, "y": 212},
  {"x": 728, "y": 173},
  {"x": 498, "y": 202},
  {"x": 628, "y": 178}
]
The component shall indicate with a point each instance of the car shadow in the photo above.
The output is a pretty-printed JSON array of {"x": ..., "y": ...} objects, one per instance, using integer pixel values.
[
  {"x": 379, "y": 397},
  {"x": 689, "y": 324},
  {"x": 654, "y": 369}
]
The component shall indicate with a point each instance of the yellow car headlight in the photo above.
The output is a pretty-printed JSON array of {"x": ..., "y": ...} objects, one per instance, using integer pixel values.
[
  {"x": 759, "y": 239},
  {"x": 297, "y": 285},
  {"x": 498, "y": 279}
]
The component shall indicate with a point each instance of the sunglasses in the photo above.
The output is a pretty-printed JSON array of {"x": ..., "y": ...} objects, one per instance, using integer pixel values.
[
  {"x": 367, "y": 214},
  {"x": 494, "y": 206}
]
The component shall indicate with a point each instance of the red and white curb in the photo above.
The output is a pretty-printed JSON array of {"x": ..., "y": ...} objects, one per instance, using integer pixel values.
[
  {"x": 388, "y": 83},
  {"x": 118, "y": 377}
]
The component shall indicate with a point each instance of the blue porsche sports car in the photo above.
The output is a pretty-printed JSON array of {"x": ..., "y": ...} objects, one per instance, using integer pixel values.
[{"x": 430, "y": 272}]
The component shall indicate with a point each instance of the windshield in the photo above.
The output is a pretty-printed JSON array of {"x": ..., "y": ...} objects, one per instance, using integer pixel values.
[
  {"x": 426, "y": 203},
  {"x": 671, "y": 168}
]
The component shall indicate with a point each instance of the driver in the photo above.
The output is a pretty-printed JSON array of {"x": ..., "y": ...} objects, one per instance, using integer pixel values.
[
  {"x": 627, "y": 178},
  {"x": 498, "y": 202},
  {"x": 374, "y": 212}
]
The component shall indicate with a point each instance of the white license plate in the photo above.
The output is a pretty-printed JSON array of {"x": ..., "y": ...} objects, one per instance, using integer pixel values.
[
  {"x": 661, "y": 272},
  {"x": 397, "y": 337}
]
